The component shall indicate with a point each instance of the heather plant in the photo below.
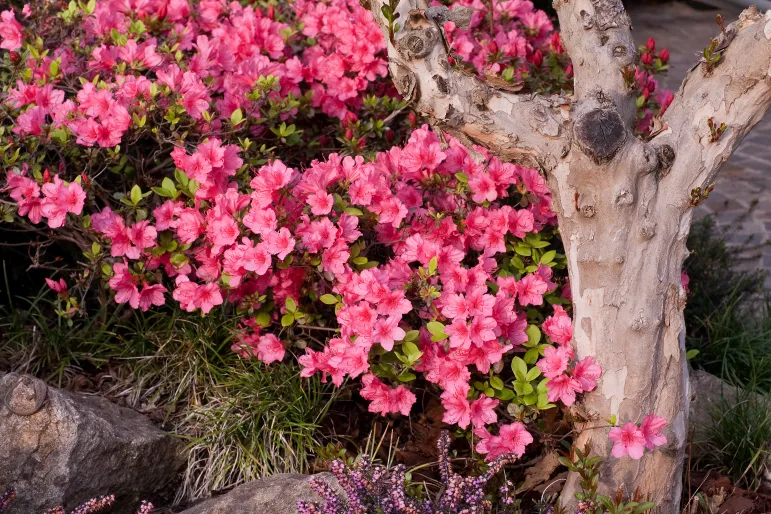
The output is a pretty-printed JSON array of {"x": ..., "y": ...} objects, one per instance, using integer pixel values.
[
  {"x": 92, "y": 506},
  {"x": 370, "y": 487}
]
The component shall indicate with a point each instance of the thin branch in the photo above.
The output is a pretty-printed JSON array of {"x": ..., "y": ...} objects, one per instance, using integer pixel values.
[{"x": 736, "y": 91}]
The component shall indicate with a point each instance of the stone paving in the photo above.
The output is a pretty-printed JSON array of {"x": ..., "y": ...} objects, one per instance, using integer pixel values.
[{"x": 746, "y": 178}]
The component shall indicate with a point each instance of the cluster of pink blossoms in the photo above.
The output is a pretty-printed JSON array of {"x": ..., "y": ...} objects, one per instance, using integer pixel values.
[
  {"x": 227, "y": 49},
  {"x": 58, "y": 198},
  {"x": 520, "y": 34},
  {"x": 632, "y": 440}
]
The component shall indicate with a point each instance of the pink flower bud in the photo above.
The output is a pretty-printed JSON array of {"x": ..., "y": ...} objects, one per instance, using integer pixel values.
[
  {"x": 349, "y": 134},
  {"x": 556, "y": 43},
  {"x": 647, "y": 59},
  {"x": 664, "y": 56},
  {"x": 537, "y": 58},
  {"x": 651, "y": 44}
]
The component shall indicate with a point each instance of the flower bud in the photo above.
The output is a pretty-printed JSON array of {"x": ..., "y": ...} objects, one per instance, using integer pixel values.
[
  {"x": 556, "y": 43},
  {"x": 413, "y": 119},
  {"x": 664, "y": 56},
  {"x": 15, "y": 58},
  {"x": 651, "y": 44},
  {"x": 647, "y": 59},
  {"x": 537, "y": 58},
  {"x": 569, "y": 70},
  {"x": 349, "y": 134},
  {"x": 389, "y": 136},
  {"x": 646, "y": 93},
  {"x": 651, "y": 85},
  {"x": 271, "y": 12},
  {"x": 46, "y": 176}
]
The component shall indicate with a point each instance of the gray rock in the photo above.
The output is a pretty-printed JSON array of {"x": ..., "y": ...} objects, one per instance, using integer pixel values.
[
  {"x": 273, "y": 495},
  {"x": 62, "y": 448}
]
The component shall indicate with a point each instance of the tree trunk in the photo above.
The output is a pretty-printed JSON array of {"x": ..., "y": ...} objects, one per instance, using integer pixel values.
[
  {"x": 625, "y": 257},
  {"x": 624, "y": 204}
]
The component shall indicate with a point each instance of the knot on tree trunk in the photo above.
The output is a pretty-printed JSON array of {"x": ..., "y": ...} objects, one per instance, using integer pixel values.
[
  {"x": 600, "y": 133},
  {"x": 417, "y": 43}
]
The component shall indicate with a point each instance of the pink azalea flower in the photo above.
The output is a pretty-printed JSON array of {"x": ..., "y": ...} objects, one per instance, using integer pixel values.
[
  {"x": 321, "y": 203},
  {"x": 563, "y": 388},
  {"x": 60, "y": 287},
  {"x": 483, "y": 411},
  {"x": 512, "y": 440},
  {"x": 587, "y": 373},
  {"x": 530, "y": 290},
  {"x": 554, "y": 362},
  {"x": 559, "y": 326},
  {"x": 629, "y": 440},
  {"x": 270, "y": 349},
  {"x": 457, "y": 409},
  {"x": 387, "y": 331},
  {"x": 207, "y": 297},
  {"x": 151, "y": 295},
  {"x": 651, "y": 429}
]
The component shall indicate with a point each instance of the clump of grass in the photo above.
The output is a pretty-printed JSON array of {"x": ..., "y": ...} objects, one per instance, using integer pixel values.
[
  {"x": 739, "y": 439},
  {"x": 244, "y": 420},
  {"x": 257, "y": 422},
  {"x": 727, "y": 314}
]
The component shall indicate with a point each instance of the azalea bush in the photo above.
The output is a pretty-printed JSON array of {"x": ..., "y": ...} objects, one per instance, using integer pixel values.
[{"x": 256, "y": 160}]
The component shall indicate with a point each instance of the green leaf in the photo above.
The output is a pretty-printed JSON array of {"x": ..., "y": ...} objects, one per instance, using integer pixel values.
[
  {"x": 136, "y": 194},
  {"x": 406, "y": 377},
  {"x": 461, "y": 177},
  {"x": 497, "y": 383},
  {"x": 432, "y": 264},
  {"x": 237, "y": 117},
  {"x": 290, "y": 304},
  {"x": 506, "y": 394},
  {"x": 181, "y": 177},
  {"x": 549, "y": 256},
  {"x": 286, "y": 320},
  {"x": 690, "y": 354},
  {"x": 360, "y": 260},
  {"x": 523, "y": 250},
  {"x": 353, "y": 211},
  {"x": 523, "y": 388},
  {"x": 533, "y": 334},
  {"x": 533, "y": 373},
  {"x": 412, "y": 335},
  {"x": 263, "y": 319},
  {"x": 435, "y": 328},
  {"x": 168, "y": 185},
  {"x": 165, "y": 193},
  {"x": 530, "y": 399},
  {"x": 489, "y": 392},
  {"x": 519, "y": 368},
  {"x": 328, "y": 299},
  {"x": 410, "y": 349},
  {"x": 531, "y": 356}
]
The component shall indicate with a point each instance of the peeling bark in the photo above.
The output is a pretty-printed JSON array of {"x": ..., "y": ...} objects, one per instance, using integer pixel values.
[{"x": 624, "y": 204}]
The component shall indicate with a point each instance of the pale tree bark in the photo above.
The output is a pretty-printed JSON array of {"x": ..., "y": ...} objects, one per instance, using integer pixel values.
[{"x": 624, "y": 204}]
